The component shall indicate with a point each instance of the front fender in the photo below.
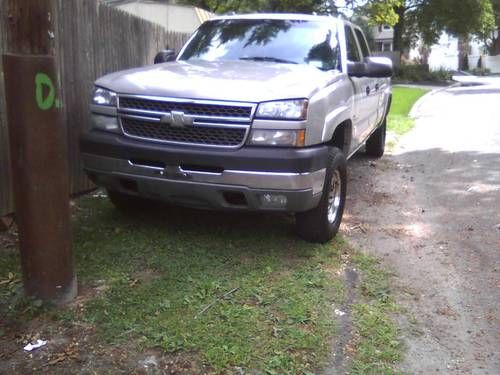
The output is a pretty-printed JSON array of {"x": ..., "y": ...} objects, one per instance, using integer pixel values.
[
  {"x": 328, "y": 108},
  {"x": 333, "y": 120}
]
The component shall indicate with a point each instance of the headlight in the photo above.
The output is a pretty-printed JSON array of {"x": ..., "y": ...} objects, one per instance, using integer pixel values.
[
  {"x": 284, "y": 110},
  {"x": 290, "y": 138},
  {"x": 102, "y": 96},
  {"x": 107, "y": 123}
]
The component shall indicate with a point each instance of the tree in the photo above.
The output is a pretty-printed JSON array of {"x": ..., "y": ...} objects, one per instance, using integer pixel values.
[
  {"x": 411, "y": 19},
  {"x": 491, "y": 37},
  {"x": 429, "y": 18}
]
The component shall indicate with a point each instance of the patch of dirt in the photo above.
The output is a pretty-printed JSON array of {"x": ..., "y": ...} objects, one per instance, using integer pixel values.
[
  {"x": 443, "y": 248},
  {"x": 75, "y": 349}
]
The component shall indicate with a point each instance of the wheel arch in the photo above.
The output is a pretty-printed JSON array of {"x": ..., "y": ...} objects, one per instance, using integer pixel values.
[{"x": 342, "y": 136}]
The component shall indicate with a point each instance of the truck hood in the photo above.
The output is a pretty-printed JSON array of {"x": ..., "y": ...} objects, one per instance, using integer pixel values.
[{"x": 246, "y": 81}]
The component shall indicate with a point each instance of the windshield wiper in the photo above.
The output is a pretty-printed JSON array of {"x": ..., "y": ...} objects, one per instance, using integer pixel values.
[{"x": 268, "y": 58}]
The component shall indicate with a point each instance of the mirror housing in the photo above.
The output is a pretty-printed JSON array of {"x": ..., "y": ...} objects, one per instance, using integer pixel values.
[
  {"x": 164, "y": 56},
  {"x": 375, "y": 67}
]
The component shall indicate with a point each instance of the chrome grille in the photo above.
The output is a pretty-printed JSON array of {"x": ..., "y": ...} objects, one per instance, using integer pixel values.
[
  {"x": 188, "y": 108},
  {"x": 182, "y": 121},
  {"x": 213, "y": 135}
]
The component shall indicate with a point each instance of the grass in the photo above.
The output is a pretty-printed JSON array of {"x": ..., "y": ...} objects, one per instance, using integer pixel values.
[
  {"x": 233, "y": 290},
  {"x": 403, "y": 99},
  {"x": 378, "y": 349},
  {"x": 165, "y": 277}
]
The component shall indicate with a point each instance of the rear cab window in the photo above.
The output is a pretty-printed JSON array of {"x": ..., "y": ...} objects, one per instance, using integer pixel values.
[
  {"x": 353, "y": 52},
  {"x": 362, "y": 42}
]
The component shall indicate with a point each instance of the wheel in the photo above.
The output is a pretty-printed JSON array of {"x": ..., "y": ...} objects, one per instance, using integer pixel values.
[
  {"x": 125, "y": 202},
  {"x": 322, "y": 223},
  {"x": 375, "y": 145}
]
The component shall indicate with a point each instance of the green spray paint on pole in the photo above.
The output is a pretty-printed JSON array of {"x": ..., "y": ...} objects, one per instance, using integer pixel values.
[{"x": 45, "y": 102}]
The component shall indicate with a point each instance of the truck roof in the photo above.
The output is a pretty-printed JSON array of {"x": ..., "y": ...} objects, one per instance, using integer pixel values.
[{"x": 278, "y": 16}]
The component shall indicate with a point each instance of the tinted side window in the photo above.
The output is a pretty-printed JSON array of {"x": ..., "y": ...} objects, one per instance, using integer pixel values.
[
  {"x": 325, "y": 55},
  {"x": 352, "y": 47},
  {"x": 362, "y": 43}
]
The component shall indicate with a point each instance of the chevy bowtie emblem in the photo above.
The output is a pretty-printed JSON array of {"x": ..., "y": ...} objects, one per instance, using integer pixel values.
[{"x": 177, "y": 119}]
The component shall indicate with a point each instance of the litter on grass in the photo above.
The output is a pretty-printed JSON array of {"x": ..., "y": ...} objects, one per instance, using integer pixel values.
[
  {"x": 32, "y": 346},
  {"x": 339, "y": 312}
]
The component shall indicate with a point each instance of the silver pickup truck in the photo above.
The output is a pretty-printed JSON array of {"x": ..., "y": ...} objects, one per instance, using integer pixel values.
[{"x": 256, "y": 112}]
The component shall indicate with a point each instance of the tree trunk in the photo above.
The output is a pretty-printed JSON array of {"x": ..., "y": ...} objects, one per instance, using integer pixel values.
[
  {"x": 399, "y": 28},
  {"x": 495, "y": 47},
  {"x": 463, "y": 53}
]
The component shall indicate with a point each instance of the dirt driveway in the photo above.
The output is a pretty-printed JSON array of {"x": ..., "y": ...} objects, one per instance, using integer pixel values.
[{"x": 431, "y": 211}]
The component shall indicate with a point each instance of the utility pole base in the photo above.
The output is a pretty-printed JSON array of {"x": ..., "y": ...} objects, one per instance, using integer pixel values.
[{"x": 39, "y": 162}]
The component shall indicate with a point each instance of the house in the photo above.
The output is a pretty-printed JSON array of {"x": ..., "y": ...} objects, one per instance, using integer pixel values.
[
  {"x": 447, "y": 53},
  {"x": 172, "y": 16},
  {"x": 444, "y": 54},
  {"x": 383, "y": 37}
]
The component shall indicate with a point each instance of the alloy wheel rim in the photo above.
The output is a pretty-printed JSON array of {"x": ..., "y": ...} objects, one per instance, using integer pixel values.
[{"x": 334, "y": 197}]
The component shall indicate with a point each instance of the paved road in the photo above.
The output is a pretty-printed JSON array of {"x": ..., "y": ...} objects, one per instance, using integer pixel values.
[{"x": 431, "y": 211}]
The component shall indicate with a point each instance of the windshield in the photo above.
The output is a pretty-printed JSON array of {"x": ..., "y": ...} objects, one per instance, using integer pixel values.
[{"x": 281, "y": 41}]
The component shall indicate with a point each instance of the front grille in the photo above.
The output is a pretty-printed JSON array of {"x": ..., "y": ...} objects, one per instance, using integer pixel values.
[
  {"x": 210, "y": 135},
  {"x": 195, "y": 109},
  {"x": 215, "y": 123}
]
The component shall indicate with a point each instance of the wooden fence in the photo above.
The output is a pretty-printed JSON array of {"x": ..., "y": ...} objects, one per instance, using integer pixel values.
[{"x": 92, "y": 40}]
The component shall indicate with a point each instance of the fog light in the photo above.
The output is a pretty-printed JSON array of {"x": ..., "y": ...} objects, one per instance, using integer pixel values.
[
  {"x": 273, "y": 200},
  {"x": 108, "y": 123}
]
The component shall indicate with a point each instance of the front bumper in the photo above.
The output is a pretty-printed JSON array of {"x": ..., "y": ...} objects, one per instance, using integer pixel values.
[{"x": 249, "y": 178}]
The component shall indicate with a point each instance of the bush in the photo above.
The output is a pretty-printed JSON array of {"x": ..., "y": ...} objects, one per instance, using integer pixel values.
[
  {"x": 480, "y": 71},
  {"x": 441, "y": 75},
  {"x": 421, "y": 73}
]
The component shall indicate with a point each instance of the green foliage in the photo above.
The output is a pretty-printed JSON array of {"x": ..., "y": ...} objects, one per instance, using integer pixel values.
[
  {"x": 457, "y": 18},
  {"x": 383, "y": 12},
  {"x": 412, "y": 19},
  {"x": 421, "y": 73},
  {"x": 427, "y": 19},
  {"x": 490, "y": 36}
]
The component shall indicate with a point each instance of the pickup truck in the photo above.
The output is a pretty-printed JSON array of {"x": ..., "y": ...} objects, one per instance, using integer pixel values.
[{"x": 255, "y": 112}]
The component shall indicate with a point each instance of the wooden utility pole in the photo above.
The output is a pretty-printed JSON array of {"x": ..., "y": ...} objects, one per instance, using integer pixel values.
[{"x": 38, "y": 151}]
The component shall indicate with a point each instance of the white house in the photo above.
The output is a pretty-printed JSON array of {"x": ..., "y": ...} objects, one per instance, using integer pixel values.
[
  {"x": 383, "y": 36},
  {"x": 444, "y": 54}
]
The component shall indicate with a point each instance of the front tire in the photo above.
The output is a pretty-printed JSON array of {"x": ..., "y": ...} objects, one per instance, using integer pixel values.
[
  {"x": 375, "y": 145},
  {"x": 322, "y": 223}
]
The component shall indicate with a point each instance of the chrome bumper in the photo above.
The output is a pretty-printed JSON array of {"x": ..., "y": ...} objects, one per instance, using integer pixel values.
[
  {"x": 172, "y": 183},
  {"x": 251, "y": 179}
]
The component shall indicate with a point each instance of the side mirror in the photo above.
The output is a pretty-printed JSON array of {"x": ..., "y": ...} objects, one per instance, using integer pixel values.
[
  {"x": 165, "y": 56},
  {"x": 357, "y": 69},
  {"x": 379, "y": 67},
  {"x": 376, "y": 67}
]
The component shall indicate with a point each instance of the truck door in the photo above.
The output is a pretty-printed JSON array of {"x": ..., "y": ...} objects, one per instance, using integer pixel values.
[
  {"x": 362, "y": 109},
  {"x": 376, "y": 85}
]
